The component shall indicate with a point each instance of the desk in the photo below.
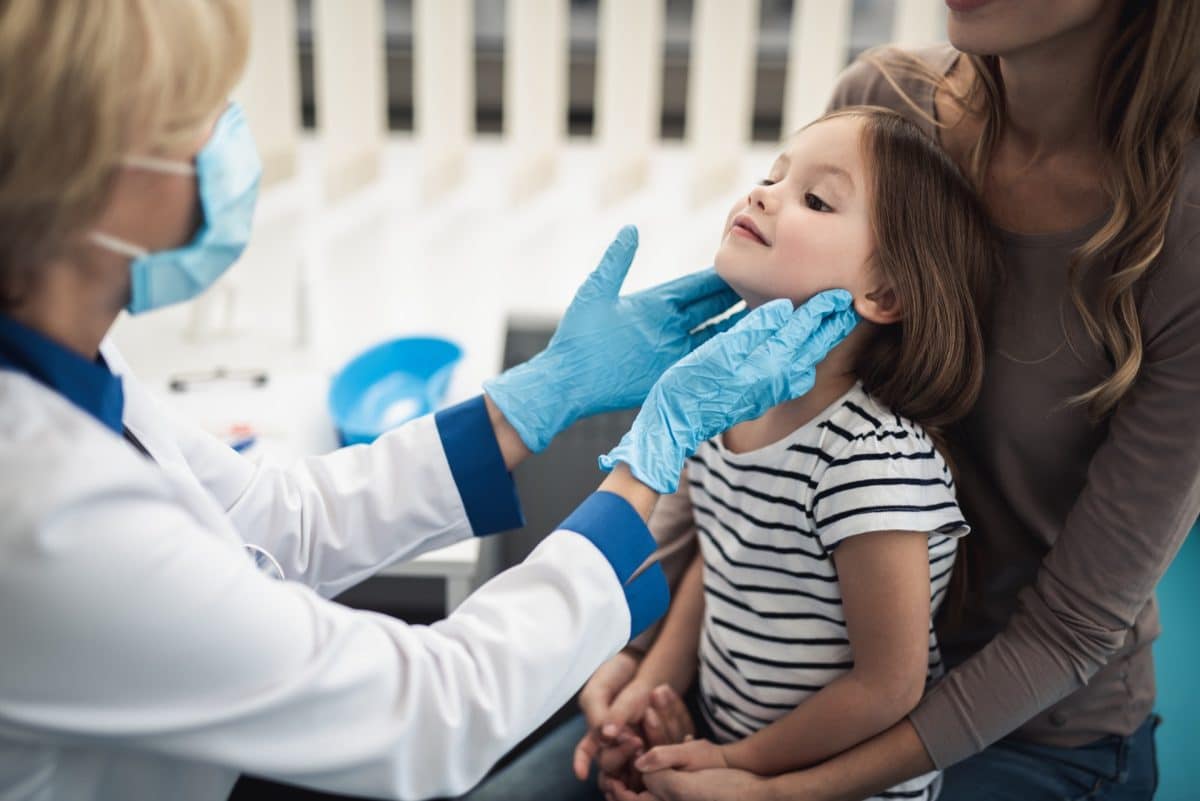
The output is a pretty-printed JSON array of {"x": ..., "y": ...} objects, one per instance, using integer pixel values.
[{"x": 459, "y": 565}]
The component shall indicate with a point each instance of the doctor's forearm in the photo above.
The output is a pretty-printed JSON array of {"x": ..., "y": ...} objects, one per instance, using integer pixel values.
[{"x": 512, "y": 449}]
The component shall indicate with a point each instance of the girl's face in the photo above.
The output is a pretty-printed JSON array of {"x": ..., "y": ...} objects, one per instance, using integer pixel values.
[{"x": 806, "y": 227}]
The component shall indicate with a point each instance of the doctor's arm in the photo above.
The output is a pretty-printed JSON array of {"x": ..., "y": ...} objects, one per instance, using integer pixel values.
[
  {"x": 334, "y": 520},
  {"x": 147, "y": 632}
]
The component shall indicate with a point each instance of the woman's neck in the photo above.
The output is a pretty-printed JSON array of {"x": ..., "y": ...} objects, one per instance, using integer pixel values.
[
  {"x": 1050, "y": 89},
  {"x": 71, "y": 306}
]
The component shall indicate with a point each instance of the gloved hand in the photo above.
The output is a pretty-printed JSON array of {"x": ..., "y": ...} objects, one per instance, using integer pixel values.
[
  {"x": 609, "y": 350},
  {"x": 767, "y": 358}
]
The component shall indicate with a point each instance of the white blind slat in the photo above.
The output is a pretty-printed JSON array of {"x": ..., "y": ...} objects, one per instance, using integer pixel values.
[{"x": 720, "y": 92}]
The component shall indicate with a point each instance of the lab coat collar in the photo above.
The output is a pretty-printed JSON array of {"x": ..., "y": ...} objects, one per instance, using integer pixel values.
[{"x": 90, "y": 385}]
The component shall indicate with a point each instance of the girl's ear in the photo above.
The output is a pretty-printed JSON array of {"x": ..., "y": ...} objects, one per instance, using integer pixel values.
[{"x": 881, "y": 305}]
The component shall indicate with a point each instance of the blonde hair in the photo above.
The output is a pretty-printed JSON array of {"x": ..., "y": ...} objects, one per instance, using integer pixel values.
[
  {"x": 1147, "y": 110},
  {"x": 82, "y": 84}
]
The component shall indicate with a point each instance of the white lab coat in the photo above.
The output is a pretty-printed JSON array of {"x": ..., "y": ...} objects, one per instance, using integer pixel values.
[{"x": 142, "y": 656}]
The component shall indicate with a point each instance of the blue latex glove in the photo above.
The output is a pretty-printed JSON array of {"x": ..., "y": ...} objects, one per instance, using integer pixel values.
[
  {"x": 767, "y": 358},
  {"x": 609, "y": 350}
]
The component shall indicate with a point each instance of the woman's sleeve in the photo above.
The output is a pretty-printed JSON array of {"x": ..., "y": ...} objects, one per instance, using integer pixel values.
[{"x": 1141, "y": 497}]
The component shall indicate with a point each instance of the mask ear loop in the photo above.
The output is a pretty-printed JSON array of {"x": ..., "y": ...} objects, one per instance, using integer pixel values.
[
  {"x": 159, "y": 165},
  {"x": 118, "y": 246}
]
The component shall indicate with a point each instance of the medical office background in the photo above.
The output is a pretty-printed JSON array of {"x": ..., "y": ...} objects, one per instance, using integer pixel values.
[{"x": 454, "y": 168}]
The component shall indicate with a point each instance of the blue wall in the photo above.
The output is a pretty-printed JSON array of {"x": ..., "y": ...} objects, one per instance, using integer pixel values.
[{"x": 1177, "y": 654}]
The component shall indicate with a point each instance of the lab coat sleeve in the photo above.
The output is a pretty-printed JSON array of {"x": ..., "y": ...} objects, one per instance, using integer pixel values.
[
  {"x": 140, "y": 630},
  {"x": 332, "y": 521}
]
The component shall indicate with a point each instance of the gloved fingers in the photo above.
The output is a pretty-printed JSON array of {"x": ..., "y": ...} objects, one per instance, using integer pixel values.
[
  {"x": 701, "y": 310},
  {"x": 823, "y": 304},
  {"x": 687, "y": 289},
  {"x": 828, "y": 334},
  {"x": 788, "y": 357},
  {"x": 702, "y": 335},
  {"x": 605, "y": 281},
  {"x": 748, "y": 333},
  {"x": 698, "y": 287}
]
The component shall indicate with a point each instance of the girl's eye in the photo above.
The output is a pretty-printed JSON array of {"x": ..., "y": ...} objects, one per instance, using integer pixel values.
[
  {"x": 815, "y": 203},
  {"x": 766, "y": 182}
]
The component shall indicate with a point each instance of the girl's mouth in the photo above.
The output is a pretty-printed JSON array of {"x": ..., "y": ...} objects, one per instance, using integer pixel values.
[{"x": 744, "y": 227}]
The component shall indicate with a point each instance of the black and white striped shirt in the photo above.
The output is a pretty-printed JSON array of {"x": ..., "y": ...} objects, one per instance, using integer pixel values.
[{"x": 768, "y": 522}]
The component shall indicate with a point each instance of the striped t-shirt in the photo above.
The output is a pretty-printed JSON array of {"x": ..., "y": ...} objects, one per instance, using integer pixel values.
[{"x": 768, "y": 522}]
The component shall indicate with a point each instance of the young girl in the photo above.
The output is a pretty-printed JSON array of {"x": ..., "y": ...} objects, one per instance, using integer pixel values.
[{"x": 828, "y": 526}]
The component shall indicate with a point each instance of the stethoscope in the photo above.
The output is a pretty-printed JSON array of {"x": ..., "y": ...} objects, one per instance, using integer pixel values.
[{"x": 261, "y": 557}]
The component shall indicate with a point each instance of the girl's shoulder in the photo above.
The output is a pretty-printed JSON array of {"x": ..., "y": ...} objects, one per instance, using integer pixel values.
[{"x": 859, "y": 424}]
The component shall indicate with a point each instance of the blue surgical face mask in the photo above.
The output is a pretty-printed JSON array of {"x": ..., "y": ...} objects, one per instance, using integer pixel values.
[{"x": 227, "y": 173}]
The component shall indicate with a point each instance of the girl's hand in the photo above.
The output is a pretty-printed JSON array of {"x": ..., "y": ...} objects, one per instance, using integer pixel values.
[
  {"x": 692, "y": 755},
  {"x": 667, "y": 720},
  {"x": 611, "y": 701}
]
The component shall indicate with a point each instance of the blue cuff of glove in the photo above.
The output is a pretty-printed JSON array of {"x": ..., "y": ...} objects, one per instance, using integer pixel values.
[
  {"x": 618, "y": 532},
  {"x": 487, "y": 489}
]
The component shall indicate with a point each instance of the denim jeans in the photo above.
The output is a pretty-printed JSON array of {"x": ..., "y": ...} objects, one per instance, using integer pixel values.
[
  {"x": 1111, "y": 769},
  {"x": 543, "y": 772}
]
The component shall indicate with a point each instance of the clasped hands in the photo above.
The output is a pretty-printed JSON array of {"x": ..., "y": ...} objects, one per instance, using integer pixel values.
[{"x": 640, "y": 736}]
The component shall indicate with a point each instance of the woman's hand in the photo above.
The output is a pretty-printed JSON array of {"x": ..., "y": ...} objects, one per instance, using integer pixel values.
[
  {"x": 768, "y": 358},
  {"x": 609, "y": 350}
]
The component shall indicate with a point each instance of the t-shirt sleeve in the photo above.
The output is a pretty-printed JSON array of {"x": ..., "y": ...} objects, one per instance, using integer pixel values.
[{"x": 887, "y": 479}]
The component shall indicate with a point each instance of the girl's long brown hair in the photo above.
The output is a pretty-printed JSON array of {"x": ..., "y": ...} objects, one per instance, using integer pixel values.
[
  {"x": 1147, "y": 111},
  {"x": 937, "y": 252},
  {"x": 936, "y": 249}
]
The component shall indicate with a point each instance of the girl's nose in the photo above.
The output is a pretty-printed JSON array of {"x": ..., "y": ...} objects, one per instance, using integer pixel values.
[{"x": 760, "y": 198}]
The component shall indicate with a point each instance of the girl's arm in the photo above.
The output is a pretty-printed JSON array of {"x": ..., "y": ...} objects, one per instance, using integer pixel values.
[
  {"x": 884, "y": 581},
  {"x": 672, "y": 657}
]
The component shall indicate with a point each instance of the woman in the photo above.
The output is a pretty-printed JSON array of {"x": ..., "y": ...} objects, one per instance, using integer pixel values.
[
  {"x": 144, "y": 655},
  {"x": 1080, "y": 468}
]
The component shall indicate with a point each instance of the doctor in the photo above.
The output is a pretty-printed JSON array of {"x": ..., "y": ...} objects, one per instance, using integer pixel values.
[{"x": 143, "y": 652}]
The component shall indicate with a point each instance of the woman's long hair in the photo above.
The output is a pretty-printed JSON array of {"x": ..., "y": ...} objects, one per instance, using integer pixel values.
[{"x": 1147, "y": 111}]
